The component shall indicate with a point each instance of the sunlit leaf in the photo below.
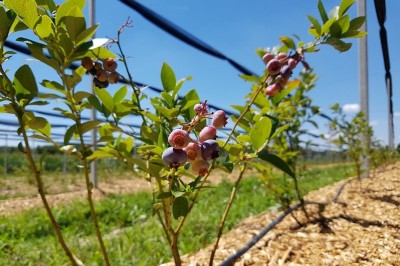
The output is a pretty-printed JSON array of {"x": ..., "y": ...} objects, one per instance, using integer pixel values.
[
  {"x": 25, "y": 84},
  {"x": 260, "y": 132},
  {"x": 105, "y": 98},
  {"x": 316, "y": 25},
  {"x": 41, "y": 125},
  {"x": 26, "y": 10},
  {"x": 120, "y": 94},
  {"x": 168, "y": 78},
  {"x": 344, "y": 6},
  {"x": 288, "y": 42},
  {"x": 322, "y": 12},
  {"x": 45, "y": 27}
]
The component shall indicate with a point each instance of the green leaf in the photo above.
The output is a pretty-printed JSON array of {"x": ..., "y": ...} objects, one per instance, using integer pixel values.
[
  {"x": 260, "y": 132},
  {"x": 168, "y": 78},
  {"x": 354, "y": 34},
  {"x": 75, "y": 23},
  {"x": 80, "y": 95},
  {"x": 280, "y": 130},
  {"x": 26, "y": 10},
  {"x": 45, "y": 27},
  {"x": 37, "y": 52},
  {"x": 65, "y": 8},
  {"x": 178, "y": 193},
  {"x": 85, "y": 35},
  {"x": 180, "y": 207},
  {"x": 169, "y": 101},
  {"x": 69, "y": 134},
  {"x": 356, "y": 23},
  {"x": 338, "y": 44},
  {"x": 164, "y": 195},
  {"x": 120, "y": 95},
  {"x": 277, "y": 162},
  {"x": 316, "y": 25},
  {"x": 105, "y": 98},
  {"x": 21, "y": 147},
  {"x": 290, "y": 86},
  {"x": 344, "y": 6},
  {"x": 327, "y": 25},
  {"x": 4, "y": 25},
  {"x": 288, "y": 42},
  {"x": 41, "y": 125},
  {"x": 25, "y": 84},
  {"x": 322, "y": 12},
  {"x": 89, "y": 125}
]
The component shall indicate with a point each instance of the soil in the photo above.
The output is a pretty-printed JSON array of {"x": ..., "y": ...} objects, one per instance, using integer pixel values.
[{"x": 361, "y": 228}]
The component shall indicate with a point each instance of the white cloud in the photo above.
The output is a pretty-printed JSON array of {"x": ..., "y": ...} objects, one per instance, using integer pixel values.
[
  {"x": 373, "y": 123},
  {"x": 351, "y": 108},
  {"x": 396, "y": 114}
]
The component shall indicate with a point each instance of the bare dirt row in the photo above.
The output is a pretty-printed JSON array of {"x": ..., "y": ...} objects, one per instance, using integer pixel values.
[{"x": 361, "y": 228}]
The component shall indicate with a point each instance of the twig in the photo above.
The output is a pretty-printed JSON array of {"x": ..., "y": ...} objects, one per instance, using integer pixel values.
[{"x": 225, "y": 215}]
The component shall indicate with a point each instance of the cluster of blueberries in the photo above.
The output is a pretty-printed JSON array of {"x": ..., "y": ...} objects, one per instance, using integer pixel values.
[{"x": 198, "y": 152}]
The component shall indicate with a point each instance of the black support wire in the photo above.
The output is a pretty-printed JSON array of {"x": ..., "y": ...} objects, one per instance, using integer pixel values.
[
  {"x": 380, "y": 8},
  {"x": 182, "y": 35},
  {"x": 24, "y": 50}
]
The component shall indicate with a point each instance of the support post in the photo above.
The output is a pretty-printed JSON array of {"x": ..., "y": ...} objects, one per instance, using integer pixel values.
[
  {"x": 363, "y": 76},
  {"x": 93, "y": 165}
]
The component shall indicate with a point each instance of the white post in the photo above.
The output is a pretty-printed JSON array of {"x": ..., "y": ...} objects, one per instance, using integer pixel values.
[
  {"x": 363, "y": 74},
  {"x": 93, "y": 166}
]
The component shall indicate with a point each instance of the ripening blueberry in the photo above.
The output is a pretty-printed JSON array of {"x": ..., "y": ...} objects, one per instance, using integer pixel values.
[
  {"x": 193, "y": 151},
  {"x": 208, "y": 132},
  {"x": 281, "y": 56},
  {"x": 209, "y": 149},
  {"x": 113, "y": 77},
  {"x": 268, "y": 57},
  {"x": 200, "y": 167},
  {"x": 87, "y": 63},
  {"x": 292, "y": 63},
  {"x": 101, "y": 75},
  {"x": 273, "y": 89},
  {"x": 174, "y": 157},
  {"x": 179, "y": 138},
  {"x": 273, "y": 67},
  {"x": 219, "y": 119},
  {"x": 110, "y": 64},
  {"x": 286, "y": 72}
]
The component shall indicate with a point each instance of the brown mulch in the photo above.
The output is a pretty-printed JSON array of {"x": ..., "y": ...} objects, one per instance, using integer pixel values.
[{"x": 361, "y": 228}]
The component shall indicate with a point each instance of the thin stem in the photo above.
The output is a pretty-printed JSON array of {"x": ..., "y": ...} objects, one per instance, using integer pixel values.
[
  {"x": 247, "y": 108},
  {"x": 86, "y": 168},
  {"x": 164, "y": 226},
  {"x": 37, "y": 175},
  {"x": 136, "y": 90},
  {"x": 89, "y": 187},
  {"x": 39, "y": 183},
  {"x": 225, "y": 215}
]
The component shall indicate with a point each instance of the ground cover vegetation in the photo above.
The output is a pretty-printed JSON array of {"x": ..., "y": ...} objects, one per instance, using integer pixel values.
[{"x": 131, "y": 228}]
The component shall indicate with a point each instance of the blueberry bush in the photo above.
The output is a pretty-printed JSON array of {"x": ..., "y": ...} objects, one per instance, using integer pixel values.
[{"x": 178, "y": 134}]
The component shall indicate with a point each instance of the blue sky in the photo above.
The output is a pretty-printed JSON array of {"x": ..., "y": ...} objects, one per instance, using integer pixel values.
[{"x": 237, "y": 29}]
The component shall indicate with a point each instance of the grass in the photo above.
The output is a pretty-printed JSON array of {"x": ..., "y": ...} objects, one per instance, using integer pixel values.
[{"x": 132, "y": 234}]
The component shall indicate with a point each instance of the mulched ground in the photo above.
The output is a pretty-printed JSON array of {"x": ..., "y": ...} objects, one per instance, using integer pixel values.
[{"x": 361, "y": 228}]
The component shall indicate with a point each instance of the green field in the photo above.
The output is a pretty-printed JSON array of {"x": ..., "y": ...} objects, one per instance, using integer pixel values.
[{"x": 132, "y": 234}]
